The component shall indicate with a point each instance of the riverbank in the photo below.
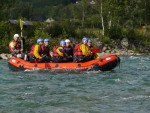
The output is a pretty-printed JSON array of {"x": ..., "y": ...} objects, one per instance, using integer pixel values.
[
  {"x": 5, "y": 56},
  {"x": 118, "y": 52}
]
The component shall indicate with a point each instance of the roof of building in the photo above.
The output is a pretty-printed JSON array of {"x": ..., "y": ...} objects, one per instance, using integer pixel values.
[{"x": 25, "y": 23}]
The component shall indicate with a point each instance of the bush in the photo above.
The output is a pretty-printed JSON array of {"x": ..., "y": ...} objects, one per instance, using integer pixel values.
[
  {"x": 55, "y": 30},
  {"x": 116, "y": 32},
  {"x": 6, "y": 33}
]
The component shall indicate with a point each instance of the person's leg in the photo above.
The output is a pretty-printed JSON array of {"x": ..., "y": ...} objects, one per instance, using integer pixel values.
[
  {"x": 69, "y": 59},
  {"x": 14, "y": 54},
  {"x": 78, "y": 59},
  {"x": 32, "y": 59},
  {"x": 65, "y": 59},
  {"x": 75, "y": 59},
  {"x": 47, "y": 59},
  {"x": 81, "y": 58},
  {"x": 56, "y": 59},
  {"x": 41, "y": 60},
  {"x": 88, "y": 58}
]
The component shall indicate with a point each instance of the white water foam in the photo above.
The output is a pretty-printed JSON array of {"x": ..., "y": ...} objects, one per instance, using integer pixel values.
[{"x": 135, "y": 97}]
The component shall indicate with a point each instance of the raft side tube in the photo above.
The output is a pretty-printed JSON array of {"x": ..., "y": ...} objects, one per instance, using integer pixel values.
[{"x": 105, "y": 63}]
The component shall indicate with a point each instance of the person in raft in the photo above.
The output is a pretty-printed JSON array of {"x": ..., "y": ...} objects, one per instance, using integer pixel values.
[
  {"x": 59, "y": 54},
  {"x": 46, "y": 50},
  {"x": 36, "y": 52},
  {"x": 69, "y": 50},
  {"x": 15, "y": 47},
  {"x": 82, "y": 52},
  {"x": 93, "y": 54}
]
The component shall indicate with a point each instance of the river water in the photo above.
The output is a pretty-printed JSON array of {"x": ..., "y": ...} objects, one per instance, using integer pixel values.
[{"x": 124, "y": 90}]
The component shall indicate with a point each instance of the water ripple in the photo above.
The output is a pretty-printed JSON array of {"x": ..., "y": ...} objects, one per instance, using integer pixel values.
[{"x": 124, "y": 90}]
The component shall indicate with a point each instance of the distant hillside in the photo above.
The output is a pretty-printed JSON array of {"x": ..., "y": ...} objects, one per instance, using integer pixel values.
[
  {"x": 41, "y": 8},
  {"x": 49, "y": 2},
  {"x": 29, "y": 8}
]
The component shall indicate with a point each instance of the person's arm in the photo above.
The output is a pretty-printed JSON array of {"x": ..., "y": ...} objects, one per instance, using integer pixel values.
[
  {"x": 72, "y": 52},
  {"x": 12, "y": 45},
  {"x": 82, "y": 47},
  {"x": 36, "y": 51},
  {"x": 85, "y": 50},
  {"x": 48, "y": 54},
  {"x": 21, "y": 45},
  {"x": 88, "y": 51},
  {"x": 59, "y": 52}
]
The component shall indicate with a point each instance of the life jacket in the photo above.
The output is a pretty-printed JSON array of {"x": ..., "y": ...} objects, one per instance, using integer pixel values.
[
  {"x": 45, "y": 50},
  {"x": 32, "y": 50},
  {"x": 69, "y": 50},
  {"x": 77, "y": 51},
  {"x": 17, "y": 46},
  {"x": 55, "y": 54}
]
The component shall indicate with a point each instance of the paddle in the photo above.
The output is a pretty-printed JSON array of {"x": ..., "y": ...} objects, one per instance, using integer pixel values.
[
  {"x": 95, "y": 50},
  {"x": 22, "y": 41},
  {"x": 21, "y": 28}
]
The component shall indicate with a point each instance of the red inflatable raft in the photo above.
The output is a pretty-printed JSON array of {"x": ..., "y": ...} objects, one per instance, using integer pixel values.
[{"x": 104, "y": 63}]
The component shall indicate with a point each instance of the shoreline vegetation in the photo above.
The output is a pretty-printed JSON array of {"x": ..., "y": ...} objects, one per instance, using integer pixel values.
[{"x": 118, "y": 27}]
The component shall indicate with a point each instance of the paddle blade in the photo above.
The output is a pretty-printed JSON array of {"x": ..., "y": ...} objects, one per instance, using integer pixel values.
[
  {"x": 95, "y": 50},
  {"x": 21, "y": 24}
]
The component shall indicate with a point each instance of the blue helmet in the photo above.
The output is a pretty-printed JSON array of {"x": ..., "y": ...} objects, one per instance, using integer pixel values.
[
  {"x": 90, "y": 41},
  {"x": 46, "y": 40},
  {"x": 39, "y": 40},
  {"x": 85, "y": 38},
  {"x": 62, "y": 42}
]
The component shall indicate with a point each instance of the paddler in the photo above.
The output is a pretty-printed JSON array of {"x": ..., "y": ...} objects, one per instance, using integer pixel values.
[
  {"x": 15, "y": 46},
  {"x": 93, "y": 54},
  {"x": 36, "y": 52},
  {"x": 46, "y": 50},
  {"x": 69, "y": 50},
  {"x": 59, "y": 53},
  {"x": 82, "y": 52}
]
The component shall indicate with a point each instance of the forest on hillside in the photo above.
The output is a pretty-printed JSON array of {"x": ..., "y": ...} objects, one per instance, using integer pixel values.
[{"x": 107, "y": 20}]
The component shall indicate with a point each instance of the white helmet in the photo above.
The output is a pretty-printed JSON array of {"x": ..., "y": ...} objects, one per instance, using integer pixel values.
[
  {"x": 16, "y": 36},
  {"x": 67, "y": 40}
]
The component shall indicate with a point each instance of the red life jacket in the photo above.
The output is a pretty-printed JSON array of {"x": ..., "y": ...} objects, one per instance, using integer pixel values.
[
  {"x": 32, "y": 50},
  {"x": 55, "y": 54},
  {"x": 77, "y": 51},
  {"x": 17, "y": 47}
]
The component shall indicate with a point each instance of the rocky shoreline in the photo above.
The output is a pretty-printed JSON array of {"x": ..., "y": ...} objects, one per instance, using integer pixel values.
[
  {"x": 5, "y": 56},
  {"x": 121, "y": 49},
  {"x": 121, "y": 52}
]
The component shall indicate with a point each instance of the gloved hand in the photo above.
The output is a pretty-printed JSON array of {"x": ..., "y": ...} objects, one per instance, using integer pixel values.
[{"x": 16, "y": 51}]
